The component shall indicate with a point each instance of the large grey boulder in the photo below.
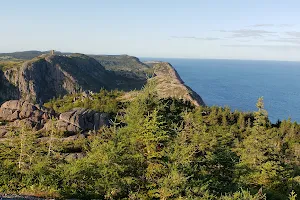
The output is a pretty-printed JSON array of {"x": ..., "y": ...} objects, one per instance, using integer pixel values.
[
  {"x": 80, "y": 119},
  {"x": 24, "y": 113}
]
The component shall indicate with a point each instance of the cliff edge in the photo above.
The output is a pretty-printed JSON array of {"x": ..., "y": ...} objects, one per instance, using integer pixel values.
[
  {"x": 46, "y": 76},
  {"x": 169, "y": 84}
]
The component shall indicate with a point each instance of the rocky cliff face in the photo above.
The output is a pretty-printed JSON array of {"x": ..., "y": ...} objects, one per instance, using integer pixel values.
[
  {"x": 45, "y": 77},
  {"x": 169, "y": 84},
  {"x": 7, "y": 89}
]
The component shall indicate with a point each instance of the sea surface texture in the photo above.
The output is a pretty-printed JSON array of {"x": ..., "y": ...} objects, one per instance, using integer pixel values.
[{"x": 239, "y": 83}]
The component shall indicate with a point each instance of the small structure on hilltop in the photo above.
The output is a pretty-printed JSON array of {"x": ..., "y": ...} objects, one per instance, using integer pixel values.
[{"x": 51, "y": 52}]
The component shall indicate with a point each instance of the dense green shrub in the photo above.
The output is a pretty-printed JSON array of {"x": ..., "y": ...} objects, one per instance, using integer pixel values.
[{"x": 160, "y": 149}]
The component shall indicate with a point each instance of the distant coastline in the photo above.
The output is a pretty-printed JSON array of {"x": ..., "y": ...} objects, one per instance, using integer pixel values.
[{"x": 238, "y": 83}]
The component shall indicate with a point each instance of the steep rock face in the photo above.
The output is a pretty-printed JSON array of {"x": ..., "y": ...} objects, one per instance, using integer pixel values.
[
  {"x": 39, "y": 80},
  {"x": 45, "y": 77},
  {"x": 7, "y": 89},
  {"x": 169, "y": 84},
  {"x": 48, "y": 76}
]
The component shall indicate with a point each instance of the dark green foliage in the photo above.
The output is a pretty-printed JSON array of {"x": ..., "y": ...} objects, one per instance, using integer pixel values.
[{"x": 160, "y": 149}]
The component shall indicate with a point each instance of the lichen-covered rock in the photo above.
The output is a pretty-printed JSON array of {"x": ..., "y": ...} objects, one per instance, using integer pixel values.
[
  {"x": 80, "y": 119},
  {"x": 20, "y": 113},
  {"x": 24, "y": 113}
]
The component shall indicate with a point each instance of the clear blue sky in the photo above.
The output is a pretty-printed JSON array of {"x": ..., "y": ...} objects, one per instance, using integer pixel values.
[{"x": 233, "y": 29}]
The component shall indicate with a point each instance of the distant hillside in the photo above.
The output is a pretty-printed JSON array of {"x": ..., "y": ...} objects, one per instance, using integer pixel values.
[
  {"x": 46, "y": 76},
  {"x": 121, "y": 62},
  {"x": 110, "y": 62},
  {"x": 24, "y": 55},
  {"x": 124, "y": 65},
  {"x": 167, "y": 83}
]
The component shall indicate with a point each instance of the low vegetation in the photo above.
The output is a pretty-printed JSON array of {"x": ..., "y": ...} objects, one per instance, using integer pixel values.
[
  {"x": 8, "y": 64},
  {"x": 158, "y": 149},
  {"x": 104, "y": 101}
]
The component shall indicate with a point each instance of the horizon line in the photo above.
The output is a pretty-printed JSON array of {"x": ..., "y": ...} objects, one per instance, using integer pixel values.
[{"x": 164, "y": 57}]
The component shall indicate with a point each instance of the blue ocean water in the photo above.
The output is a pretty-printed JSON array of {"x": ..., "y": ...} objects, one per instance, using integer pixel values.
[{"x": 239, "y": 83}]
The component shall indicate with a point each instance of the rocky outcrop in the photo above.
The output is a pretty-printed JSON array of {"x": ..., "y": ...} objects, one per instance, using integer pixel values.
[
  {"x": 168, "y": 83},
  {"x": 15, "y": 110},
  {"x": 49, "y": 76},
  {"x": 19, "y": 113},
  {"x": 80, "y": 119}
]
